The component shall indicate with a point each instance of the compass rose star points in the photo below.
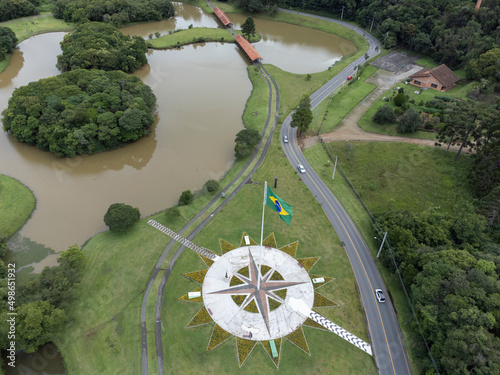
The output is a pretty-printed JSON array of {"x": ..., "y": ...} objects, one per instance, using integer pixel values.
[{"x": 258, "y": 291}]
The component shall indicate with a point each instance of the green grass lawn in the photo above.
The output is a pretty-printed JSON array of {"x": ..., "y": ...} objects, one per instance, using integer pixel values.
[
  {"x": 317, "y": 238},
  {"x": 43, "y": 24},
  {"x": 393, "y": 176},
  {"x": 343, "y": 102},
  {"x": 366, "y": 123},
  {"x": 17, "y": 202},
  {"x": 194, "y": 35},
  {"x": 107, "y": 338}
]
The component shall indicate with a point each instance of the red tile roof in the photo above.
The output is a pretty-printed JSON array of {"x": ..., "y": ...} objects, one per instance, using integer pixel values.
[
  {"x": 222, "y": 17},
  {"x": 442, "y": 73},
  {"x": 247, "y": 47}
]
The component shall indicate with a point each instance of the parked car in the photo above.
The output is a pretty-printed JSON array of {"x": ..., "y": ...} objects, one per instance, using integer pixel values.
[
  {"x": 380, "y": 295},
  {"x": 285, "y": 139},
  {"x": 301, "y": 168}
]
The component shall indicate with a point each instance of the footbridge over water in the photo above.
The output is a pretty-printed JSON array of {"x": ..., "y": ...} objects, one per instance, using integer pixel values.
[{"x": 244, "y": 44}]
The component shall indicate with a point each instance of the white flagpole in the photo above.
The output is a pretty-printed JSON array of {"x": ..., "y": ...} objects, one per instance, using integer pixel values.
[{"x": 261, "y": 235}]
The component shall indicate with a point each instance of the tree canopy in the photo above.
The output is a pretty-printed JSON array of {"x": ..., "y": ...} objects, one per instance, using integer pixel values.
[
  {"x": 117, "y": 12},
  {"x": 246, "y": 140},
  {"x": 10, "y": 9},
  {"x": 80, "y": 112},
  {"x": 302, "y": 117},
  {"x": 97, "y": 45},
  {"x": 8, "y": 41},
  {"x": 121, "y": 217},
  {"x": 450, "y": 267},
  {"x": 248, "y": 27}
]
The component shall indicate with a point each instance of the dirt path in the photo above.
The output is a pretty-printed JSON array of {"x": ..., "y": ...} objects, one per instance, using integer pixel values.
[{"x": 348, "y": 129}]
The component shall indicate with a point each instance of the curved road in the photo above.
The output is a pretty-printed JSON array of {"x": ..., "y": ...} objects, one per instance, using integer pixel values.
[
  {"x": 386, "y": 340},
  {"x": 385, "y": 335}
]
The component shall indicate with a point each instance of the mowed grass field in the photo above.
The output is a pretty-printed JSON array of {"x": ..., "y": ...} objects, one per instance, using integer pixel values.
[{"x": 17, "y": 202}]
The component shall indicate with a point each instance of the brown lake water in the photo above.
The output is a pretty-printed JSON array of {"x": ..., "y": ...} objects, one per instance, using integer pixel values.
[{"x": 201, "y": 92}]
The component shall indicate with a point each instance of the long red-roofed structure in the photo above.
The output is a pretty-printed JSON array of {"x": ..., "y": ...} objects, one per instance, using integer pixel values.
[
  {"x": 222, "y": 17},
  {"x": 247, "y": 47}
]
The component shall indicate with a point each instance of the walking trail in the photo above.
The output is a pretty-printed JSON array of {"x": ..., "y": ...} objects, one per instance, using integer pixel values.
[{"x": 348, "y": 129}]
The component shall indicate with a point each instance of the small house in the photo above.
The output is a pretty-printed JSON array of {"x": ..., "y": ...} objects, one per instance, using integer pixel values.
[{"x": 441, "y": 78}]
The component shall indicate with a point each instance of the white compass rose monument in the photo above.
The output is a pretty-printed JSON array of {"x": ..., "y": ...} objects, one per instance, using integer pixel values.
[{"x": 267, "y": 324}]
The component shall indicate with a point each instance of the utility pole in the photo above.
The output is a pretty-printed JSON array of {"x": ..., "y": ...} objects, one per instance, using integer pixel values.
[
  {"x": 342, "y": 16},
  {"x": 334, "y": 167},
  {"x": 380, "y": 250},
  {"x": 373, "y": 19}
]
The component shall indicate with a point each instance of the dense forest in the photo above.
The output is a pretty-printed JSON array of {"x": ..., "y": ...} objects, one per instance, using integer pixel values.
[
  {"x": 10, "y": 9},
  {"x": 80, "y": 112},
  {"x": 451, "y": 268},
  {"x": 98, "y": 45},
  {"x": 118, "y": 12},
  {"x": 451, "y": 31}
]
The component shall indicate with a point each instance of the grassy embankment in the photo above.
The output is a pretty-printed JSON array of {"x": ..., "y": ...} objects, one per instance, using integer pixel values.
[
  {"x": 195, "y": 35},
  {"x": 17, "y": 202},
  {"x": 107, "y": 338},
  {"x": 394, "y": 176},
  {"x": 29, "y": 26},
  {"x": 329, "y": 113}
]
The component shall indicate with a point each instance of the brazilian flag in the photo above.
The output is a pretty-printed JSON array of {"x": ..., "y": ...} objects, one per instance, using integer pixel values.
[{"x": 279, "y": 205}]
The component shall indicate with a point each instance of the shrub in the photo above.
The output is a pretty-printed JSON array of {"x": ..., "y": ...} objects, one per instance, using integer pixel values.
[
  {"x": 186, "y": 198},
  {"x": 400, "y": 99},
  {"x": 384, "y": 115},
  {"x": 409, "y": 122},
  {"x": 211, "y": 186},
  {"x": 121, "y": 217}
]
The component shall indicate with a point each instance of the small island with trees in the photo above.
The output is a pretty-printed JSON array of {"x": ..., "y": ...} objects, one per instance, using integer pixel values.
[{"x": 80, "y": 112}]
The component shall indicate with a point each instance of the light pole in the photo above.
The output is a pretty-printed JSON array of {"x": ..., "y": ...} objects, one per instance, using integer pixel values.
[
  {"x": 334, "y": 167},
  {"x": 380, "y": 250}
]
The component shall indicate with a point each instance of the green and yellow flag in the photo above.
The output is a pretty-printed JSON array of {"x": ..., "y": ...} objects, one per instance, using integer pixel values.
[{"x": 279, "y": 205}]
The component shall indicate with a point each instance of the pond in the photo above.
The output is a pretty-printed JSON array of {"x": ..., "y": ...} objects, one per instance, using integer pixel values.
[{"x": 201, "y": 91}]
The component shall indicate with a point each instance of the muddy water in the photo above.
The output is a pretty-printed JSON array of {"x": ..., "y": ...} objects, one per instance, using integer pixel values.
[
  {"x": 200, "y": 102},
  {"x": 185, "y": 15},
  {"x": 297, "y": 49},
  {"x": 201, "y": 91}
]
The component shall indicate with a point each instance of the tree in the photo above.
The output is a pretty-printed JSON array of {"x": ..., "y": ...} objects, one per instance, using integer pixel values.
[
  {"x": 410, "y": 122},
  {"x": 37, "y": 324},
  {"x": 211, "y": 186},
  {"x": 400, "y": 99},
  {"x": 97, "y": 45},
  {"x": 248, "y": 27},
  {"x": 302, "y": 117},
  {"x": 186, "y": 198},
  {"x": 484, "y": 175},
  {"x": 246, "y": 140},
  {"x": 460, "y": 124},
  {"x": 121, "y": 217},
  {"x": 8, "y": 41},
  {"x": 384, "y": 115}
]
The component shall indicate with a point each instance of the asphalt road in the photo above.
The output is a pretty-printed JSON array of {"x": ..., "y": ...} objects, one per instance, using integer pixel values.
[{"x": 385, "y": 335}]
